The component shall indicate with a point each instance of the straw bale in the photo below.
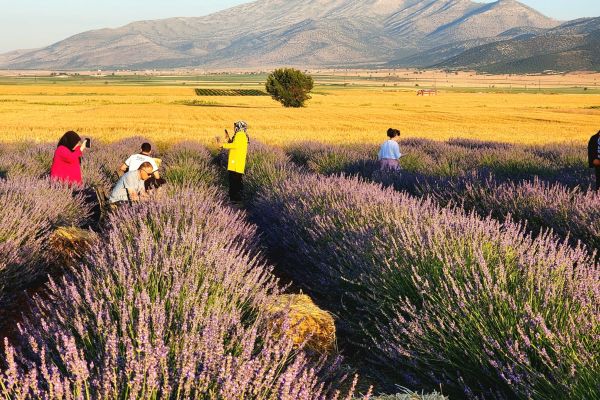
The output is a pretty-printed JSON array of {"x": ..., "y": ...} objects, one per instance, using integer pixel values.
[
  {"x": 68, "y": 244},
  {"x": 304, "y": 322}
]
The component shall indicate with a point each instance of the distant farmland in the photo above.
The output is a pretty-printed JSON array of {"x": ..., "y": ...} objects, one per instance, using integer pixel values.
[
  {"x": 344, "y": 109},
  {"x": 230, "y": 92}
]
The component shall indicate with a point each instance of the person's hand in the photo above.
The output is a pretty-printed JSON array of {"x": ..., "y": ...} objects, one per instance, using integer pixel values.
[{"x": 82, "y": 146}]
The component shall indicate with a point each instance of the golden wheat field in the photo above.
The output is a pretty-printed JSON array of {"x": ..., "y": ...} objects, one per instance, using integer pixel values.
[{"x": 351, "y": 114}]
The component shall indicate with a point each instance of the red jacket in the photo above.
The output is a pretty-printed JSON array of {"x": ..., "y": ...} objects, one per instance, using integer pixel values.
[{"x": 66, "y": 166}]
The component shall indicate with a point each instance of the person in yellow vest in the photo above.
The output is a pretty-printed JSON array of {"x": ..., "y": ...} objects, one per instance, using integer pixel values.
[{"x": 236, "y": 166}]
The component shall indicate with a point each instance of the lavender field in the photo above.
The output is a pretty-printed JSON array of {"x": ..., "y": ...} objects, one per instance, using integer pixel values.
[{"x": 472, "y": 272}]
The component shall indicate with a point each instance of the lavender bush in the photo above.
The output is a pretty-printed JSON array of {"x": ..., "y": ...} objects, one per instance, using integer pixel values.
[
  {"x": 570, "y": 213},
  {"x": 190, "y": 163},
  {"x": 411, "y": 396},
  {"x": 172, "y": 303},
  {"x": 541, "y": 205},
  {"x": 20, "y": 160},
  {"x": 439, "y": 296},
  {"x": 328, "y": 160},
  {"x": 101, "y": 163},
  {"x": 99, "y": 166},
  {"x": 564, "y": 163},
  {"x": 171, "y": 306},
  {"x": 265, "y": 167},
  {"x": 29, "y": 210}
]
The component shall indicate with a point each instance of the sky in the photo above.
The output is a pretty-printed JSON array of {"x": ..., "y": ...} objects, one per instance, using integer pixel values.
[{"x": 26, "y": 24}]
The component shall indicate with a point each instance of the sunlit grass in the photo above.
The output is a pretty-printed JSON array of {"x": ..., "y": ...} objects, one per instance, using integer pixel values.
[{"x": 42, "y": 112}]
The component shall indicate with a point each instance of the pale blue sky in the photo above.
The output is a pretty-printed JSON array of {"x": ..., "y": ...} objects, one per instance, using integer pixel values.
[{"x": 35, "y": 23}]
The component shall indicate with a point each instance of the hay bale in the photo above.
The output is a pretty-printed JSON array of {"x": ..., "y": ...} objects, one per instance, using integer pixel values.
[
  {"x": 68, "y": 244},
  {"x": 304, "y": 322}
]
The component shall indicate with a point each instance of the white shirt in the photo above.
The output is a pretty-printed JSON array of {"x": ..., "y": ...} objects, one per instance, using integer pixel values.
[
  {"x": 134, "y": 162},
  {"x": 131, "y": 182},
  {"x": 390, "y": 150}
]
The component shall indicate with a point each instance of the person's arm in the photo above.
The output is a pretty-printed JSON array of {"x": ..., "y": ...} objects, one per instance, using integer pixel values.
[
  {"x": 155, "y": 166},
  {"x": 143, "y": 195},
  {"x": 69, "y": 157},
  {"x": 133, "y": 195},
  {"x": 122, "y": 170},
  {"x": 397, "y": 153},
  {"x": 131, "y": 184},
  {"x": 235, "y": 144}
]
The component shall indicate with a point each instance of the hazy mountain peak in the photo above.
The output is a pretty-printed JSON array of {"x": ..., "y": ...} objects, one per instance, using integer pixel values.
[{"x": 288, "y": 32}]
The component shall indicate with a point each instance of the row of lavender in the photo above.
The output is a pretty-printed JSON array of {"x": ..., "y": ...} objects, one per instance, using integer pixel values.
[
  {"x": 32, "y": 207},
  {"x": 186, "y": 161},
  {"x": 435, "y": 295},
  {"x": 545, "y": 187},
  {"x": 171, "y": 303},
  {"x": 556, "y": 163}
]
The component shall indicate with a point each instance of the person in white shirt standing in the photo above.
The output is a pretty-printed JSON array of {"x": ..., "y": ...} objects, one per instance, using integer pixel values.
[
  {"x": 389, "y": 154},
  {"x": 134, "y": 162}
]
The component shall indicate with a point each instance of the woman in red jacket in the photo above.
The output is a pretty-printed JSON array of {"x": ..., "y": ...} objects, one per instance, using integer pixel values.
[{"x": 66, "y": 165}]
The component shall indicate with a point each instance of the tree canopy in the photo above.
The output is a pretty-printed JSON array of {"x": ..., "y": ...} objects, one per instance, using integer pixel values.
[{"x": 289, "y": 86}]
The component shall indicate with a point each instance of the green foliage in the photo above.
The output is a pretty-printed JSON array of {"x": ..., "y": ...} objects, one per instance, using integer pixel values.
[
  {"x": 265, "y": 167},
  {"x": 197, "y": 103},
  {"x": 230, "y": 92},
  {"x": 290, "y": 87},
  {"x": 189, "y": 163},
  {"x": 411, "y": 396}
]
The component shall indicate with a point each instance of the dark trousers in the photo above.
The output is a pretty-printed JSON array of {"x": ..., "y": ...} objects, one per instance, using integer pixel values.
[
  {"x": 597, "y": 169},
  {"x": 236, "y": 186}
]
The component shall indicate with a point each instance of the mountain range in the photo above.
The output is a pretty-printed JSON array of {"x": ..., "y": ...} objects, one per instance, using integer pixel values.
[
  {"x": 332, "y": 33},
  {"x": 571, "y": 46}
]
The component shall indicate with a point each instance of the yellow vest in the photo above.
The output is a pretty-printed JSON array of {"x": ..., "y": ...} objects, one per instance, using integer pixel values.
[{"x": 238, "y": 150}]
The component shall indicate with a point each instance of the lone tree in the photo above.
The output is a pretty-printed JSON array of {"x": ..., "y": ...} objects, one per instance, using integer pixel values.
[{"x": 290, "y": 86}]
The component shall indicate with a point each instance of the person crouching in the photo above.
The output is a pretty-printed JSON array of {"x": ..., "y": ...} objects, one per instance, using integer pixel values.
[
  {"x": 134, "y": 162},
  {"x": 131, "y": 186}
]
